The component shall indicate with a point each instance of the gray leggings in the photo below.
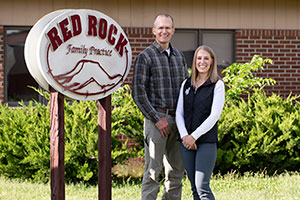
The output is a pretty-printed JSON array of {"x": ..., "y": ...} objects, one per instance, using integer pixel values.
[{"x": 199, "y": 165}]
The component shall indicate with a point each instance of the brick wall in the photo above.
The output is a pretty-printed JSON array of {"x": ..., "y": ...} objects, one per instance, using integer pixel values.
[
  {"x": 1, "y": 64},
  {"x": 139, "y": 39},
  {"x": 282, "y": 46}
]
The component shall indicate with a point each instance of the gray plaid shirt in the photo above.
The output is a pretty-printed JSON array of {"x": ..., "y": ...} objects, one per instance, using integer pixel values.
[{"x": 157, "y": 79}]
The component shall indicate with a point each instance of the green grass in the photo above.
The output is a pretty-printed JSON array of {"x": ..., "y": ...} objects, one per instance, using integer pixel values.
[{"x": 228, "y": 187}]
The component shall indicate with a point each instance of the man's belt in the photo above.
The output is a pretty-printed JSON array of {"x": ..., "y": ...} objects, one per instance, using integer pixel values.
[{"x": 166, "y": 111}]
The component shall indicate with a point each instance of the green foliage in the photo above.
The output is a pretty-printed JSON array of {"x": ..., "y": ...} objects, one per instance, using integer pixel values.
[
  {"x": 126, "y": 117},
  {"x": 81, "y": 136},
  {"x": 25, "y": 144},
  {"x": 239, "y": 77},
  {"x": 260, "y": 133}
]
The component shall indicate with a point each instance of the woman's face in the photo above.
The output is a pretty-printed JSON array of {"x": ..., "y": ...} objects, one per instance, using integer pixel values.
[{"x": 203, "y": 61}]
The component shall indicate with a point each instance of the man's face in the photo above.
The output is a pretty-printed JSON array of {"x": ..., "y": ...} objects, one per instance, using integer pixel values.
[{"x": 163, "y": 30}]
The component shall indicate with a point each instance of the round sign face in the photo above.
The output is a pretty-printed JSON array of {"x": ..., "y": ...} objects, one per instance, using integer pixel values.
[
  {"x": 31, "y": 47},
  {"x": 82, "y": 54}
]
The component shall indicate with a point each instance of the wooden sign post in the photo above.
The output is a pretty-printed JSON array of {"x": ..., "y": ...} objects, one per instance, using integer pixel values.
[
  {"x": 104, "y": 148},
  {"x": 57, "y": 166},
  {"x": 84, "y": 55},
  {"x": 57, "y": 146}
]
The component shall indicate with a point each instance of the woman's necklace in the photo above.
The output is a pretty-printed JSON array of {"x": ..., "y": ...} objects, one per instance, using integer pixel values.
[{"x": 199, "y": 82}]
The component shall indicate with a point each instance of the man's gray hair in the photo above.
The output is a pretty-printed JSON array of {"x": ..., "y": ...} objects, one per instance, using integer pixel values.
[{"x": 164, "y": 15}]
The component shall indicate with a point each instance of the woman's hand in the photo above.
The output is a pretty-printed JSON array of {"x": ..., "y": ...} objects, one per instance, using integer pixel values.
[{"x": 188, "y": 142}]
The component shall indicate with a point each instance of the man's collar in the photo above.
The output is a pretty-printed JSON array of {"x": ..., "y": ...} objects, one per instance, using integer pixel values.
[{"x": 161, "y": 50}]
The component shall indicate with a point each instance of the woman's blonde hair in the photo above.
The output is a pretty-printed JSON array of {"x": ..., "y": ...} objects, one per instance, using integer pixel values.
[{"x": 213, "y": 73}]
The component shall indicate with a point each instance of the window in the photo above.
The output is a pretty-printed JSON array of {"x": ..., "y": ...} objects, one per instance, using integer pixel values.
[
  {"x": 187, "y": 41},
  {"x": 222, "y": 44},
  {"x": 221, "y": 41},
  {"x": 16, "y": 75}
]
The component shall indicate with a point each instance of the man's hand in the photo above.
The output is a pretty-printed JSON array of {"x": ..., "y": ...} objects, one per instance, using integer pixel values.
[
  {"x": 163, "y": 127},
  {"x": 188, "y": 142}
]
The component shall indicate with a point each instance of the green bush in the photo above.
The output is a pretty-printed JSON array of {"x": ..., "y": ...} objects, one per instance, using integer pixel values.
[
  {"x": 24, "y": 142},
  {"x": 258, "y": 133},
  {"x": 262, "y": 133},
  {"x": 126, "y": 117},
  {"x": 25, "y": 145}
]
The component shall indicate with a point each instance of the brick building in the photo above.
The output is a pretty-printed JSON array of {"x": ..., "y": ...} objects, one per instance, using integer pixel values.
[{"x": 235, "y": 29}]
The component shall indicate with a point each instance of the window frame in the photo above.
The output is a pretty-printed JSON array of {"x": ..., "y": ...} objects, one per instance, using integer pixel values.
[
  {"x": 221, "y": 31},
  {"x": 201, "y": 32},
  {"x": 40, "y": 99}
]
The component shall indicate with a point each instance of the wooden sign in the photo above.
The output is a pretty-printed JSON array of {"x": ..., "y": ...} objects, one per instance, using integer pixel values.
[{"x": 83, "y": 55}]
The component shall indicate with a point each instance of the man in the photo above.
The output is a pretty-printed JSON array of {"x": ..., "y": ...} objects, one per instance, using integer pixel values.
[{"x": 158, "y": 73}]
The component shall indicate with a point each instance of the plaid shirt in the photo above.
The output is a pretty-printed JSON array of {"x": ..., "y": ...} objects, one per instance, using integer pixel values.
[{"x": 157, "y": 79}]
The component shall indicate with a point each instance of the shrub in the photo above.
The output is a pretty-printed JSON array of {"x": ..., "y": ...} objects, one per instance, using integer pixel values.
[
  {"x": 126, "y": 117},
  {"x": 25, "y": 145},
  {"x": 261, "y": 133}
]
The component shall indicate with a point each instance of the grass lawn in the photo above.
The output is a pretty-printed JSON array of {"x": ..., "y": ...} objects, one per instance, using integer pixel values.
[{"x": 229, "y": 187}]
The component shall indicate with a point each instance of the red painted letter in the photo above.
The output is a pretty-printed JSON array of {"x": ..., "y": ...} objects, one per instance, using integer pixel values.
[
  {"x": 102, "y": 28},
  {"x": 120, "y": 44},
  {"x": 76, "y": 24},
  {"x": 67, "y": 34},
  {"x": 54, "y": 38},
  {"x": 92, "y": 30},
  {"x": 112, "y": 30}
]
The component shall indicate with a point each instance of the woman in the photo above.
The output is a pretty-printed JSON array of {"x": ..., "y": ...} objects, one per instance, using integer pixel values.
[{"x": 200, "y": 104}]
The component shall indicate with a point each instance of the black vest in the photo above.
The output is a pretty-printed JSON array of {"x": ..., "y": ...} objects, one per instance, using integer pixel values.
[{"x": 197, "y": 107}]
